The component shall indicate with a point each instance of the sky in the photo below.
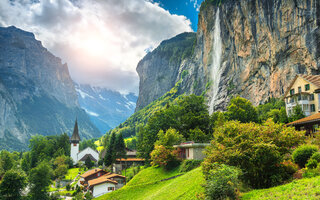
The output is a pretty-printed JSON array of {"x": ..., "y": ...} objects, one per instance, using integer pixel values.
[{"x": 102, "y": 41}]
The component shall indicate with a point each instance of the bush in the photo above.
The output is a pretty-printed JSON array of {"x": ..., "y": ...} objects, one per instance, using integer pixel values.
[
  {"x": 316, "y": 156},
  {"x": 164, "y": 157},
  {"x": 68, "y": 187},
  {"x": 289, "y": 169},
  {"x": 222, "y": 182},
  {"x": 302, "y": 154},
  {"x": 258, "y": 150},
  {"x": 312, "y": 164},
  {"x": 188, "y": 165}
]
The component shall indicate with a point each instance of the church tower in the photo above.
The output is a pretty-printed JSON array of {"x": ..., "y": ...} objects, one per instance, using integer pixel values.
[{"x": 74, "y": 141}]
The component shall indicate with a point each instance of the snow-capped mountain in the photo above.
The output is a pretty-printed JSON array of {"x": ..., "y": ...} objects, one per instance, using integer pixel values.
[{"x": 106, "y": 108}]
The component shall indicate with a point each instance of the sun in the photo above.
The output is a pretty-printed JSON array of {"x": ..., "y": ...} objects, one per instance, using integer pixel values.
[{"x": 94, "y": 46}]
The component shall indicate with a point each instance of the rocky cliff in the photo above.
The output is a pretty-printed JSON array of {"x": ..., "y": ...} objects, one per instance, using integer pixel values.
[
  {"x": 253, "y": 48},
  {"x": 37, "y": 95}
]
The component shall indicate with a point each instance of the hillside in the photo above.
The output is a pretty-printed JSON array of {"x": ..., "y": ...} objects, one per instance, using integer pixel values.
[
  {"x": 147, "y": 184},
  {"x": 37, "y": 95},
  {"x": 307, "y": 188}
]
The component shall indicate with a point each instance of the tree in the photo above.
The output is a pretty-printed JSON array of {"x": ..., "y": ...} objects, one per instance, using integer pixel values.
[
  {"x": 164, "y": 157},
  {"x": 12, "y": 185},
  {"x": 198, "y": 135},
  {"x": 169, "y": 138},
  {"x": 242, "y": 110},
  {"x": 89, "y": 163},
  {"x": 40, "y": 179},
  {"x": 258, "y": 150},
  {"x": 297, "y": 113},
  {"x": 120, "y": 147},
  {"x": 6, "y": 161},
  {"x": 109, "y": 156},
  {"x": 26, "y": 162}
]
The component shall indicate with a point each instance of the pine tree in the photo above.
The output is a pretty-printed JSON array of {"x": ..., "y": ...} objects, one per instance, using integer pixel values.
[
  {"x": 109, "y": 157},
  {"x": 120, "y": 147}
]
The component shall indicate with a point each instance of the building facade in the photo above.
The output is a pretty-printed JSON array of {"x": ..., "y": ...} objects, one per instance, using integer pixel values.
[
  {"x": 191, "y": 150},
  {"x": 304, "y": 91}
]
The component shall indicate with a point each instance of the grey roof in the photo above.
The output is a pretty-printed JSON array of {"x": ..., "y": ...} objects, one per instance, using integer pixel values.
[{"x": 75, "y": 136}]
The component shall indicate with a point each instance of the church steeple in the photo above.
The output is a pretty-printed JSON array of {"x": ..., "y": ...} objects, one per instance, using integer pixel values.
[{"x": 75, "y": 138}]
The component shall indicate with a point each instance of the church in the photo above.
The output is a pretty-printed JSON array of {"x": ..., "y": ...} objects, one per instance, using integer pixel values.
[{"x": 77, "y": 155}]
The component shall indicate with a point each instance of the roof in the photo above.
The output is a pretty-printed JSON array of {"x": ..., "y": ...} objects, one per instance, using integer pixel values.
[
  {"x": 314, "y": 79},
  {"x": 75, "y": 136},
  {"x": 191, "y": 145},
  {"x": 100, "y": 180},
  {"x": 130, "y": 159},
  {"x": 114, "y": 175},
  {"x": 86, "y": 156},
  {"x": 309, "y": 119},
  {"x": 91, "y": 172}
]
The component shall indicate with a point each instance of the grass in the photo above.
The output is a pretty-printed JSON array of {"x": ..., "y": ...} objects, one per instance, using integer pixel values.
[
  {"x": 307, "y": 188},
  {"x": 147, "y": 185},
  {"x": 72, "y": 173}
]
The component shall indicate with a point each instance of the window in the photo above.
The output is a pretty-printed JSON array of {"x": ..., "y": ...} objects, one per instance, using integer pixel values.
[
  {"x": 98, "y": 174},
  {"x": 305, "y": 107},
  {"x": 110, "y": 188},
  {"x": 312, "y": 108},
  {"x": 299, "y": 97},
  {"x": 311, "y": 97},
  {"x": 299, "y": 89},
  {"x": 307, "y": 87},
  {"x": 291, "y": 91}
]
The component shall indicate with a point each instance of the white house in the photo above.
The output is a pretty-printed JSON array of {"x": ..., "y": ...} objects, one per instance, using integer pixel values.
[
  {"x": 102, "y": 185},
  {"x": 84, "y": 154}
]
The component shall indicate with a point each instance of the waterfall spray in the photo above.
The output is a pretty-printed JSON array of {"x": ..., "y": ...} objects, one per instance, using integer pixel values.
[{"x": 216, "y": 61}]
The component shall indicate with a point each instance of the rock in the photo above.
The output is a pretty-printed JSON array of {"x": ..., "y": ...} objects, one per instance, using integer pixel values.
[{"x": 37, "y": 95}]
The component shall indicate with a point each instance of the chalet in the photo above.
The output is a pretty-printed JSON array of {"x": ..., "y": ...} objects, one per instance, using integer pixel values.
[
  {"x": 101, "y": 186},
  {"x": 191, "y": 150},
  {"x": 92, "y": 174},
  {"x": 77, "y": 155},
  {"x": 124, "y": 163},
  {"x": 310, "y": 124},
  {"x": 100, "y": 182},
  {"x": 304, "y": 90}
]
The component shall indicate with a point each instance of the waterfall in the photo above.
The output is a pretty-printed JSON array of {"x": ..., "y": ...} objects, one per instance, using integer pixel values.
[{"x": 216, "y": 61}]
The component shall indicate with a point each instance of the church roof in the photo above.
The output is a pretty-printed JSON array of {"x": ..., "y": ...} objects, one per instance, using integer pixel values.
[{"x": 75, "y": 136}]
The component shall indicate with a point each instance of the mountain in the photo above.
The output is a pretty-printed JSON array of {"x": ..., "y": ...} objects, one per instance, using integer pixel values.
[
  {"x": 106, "y": 108},
  {"x": 251, "y": 48},
  {"x": 37, "y": 95}
]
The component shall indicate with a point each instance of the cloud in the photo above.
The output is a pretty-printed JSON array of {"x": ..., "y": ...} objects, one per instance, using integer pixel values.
[{"x": 102, "y": 41}]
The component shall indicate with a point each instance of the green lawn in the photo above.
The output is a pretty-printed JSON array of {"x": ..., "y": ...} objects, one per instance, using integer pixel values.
[
  {"x": 147, "y": 185},
  {"x": 72, "y": 173},
  {"x": 307, "y": 188}
]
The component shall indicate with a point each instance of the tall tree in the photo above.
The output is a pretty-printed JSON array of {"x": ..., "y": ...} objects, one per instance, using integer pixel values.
[
  {"x": 242, "y": 110},
  {"x": 120, "y": 147},
  {"x": 40, "y": 179},
  {"x": 109, "y": 157},
  {"x": 6, "y": 161},
  {"x": 12, "y": 184}
]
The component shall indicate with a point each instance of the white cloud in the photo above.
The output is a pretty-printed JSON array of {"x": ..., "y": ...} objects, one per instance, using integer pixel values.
[{"x": 102, "y": 41}]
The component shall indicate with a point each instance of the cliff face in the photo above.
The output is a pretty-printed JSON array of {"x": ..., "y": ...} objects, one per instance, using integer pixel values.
[
  {"x": 37, "y": 95},
  {"x": 263, "y": 45}
]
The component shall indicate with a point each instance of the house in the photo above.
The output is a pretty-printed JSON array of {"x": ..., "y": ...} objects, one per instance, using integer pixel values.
[
  {"x": 92, "y": 174},
  {"x": 124, "y": 163},
  {"x": 75, "y": 154},
  {"x": 310, "y": 124},
  {"x": 100, "y": 182},
  {"x": 101, "y": 185},
  {"x": 303, "y": 90},
  {"x": 191, "y": 150}
]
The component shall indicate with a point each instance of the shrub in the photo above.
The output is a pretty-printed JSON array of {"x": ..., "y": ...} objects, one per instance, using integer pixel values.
[
  {"x": 164, "y": 157},
  {"x": 312, "y": 164},
  {"x": 222, "y": 182},
  {"x": 302, "y": 154},
  {"x": 258, "y": 150},
  {"x": 188, "y": 165},
  {"x": 68, "y": 187},
  {"x": 289, "y": 168},
  {"x": 316, "y": 156}
]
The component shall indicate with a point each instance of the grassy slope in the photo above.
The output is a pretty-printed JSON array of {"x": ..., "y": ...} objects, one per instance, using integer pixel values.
[
  {"x": 147, "y": 185},
  {"x": 72, "y": 173},
  {"x": 308, "y": 188}
]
